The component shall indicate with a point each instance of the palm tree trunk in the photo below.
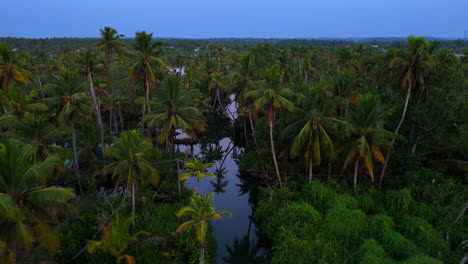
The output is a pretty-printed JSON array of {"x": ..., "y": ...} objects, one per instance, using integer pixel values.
[
  {"x": 202, "y": 253},
  {"x": 111, "y": 77},
  {"x": 98, "y": 113},
  {"x": 133, "y": 201},
  {"x": 252, "y": 127},
  {"x": 356, "y": 166},
  {"x": 403, "y": 115},
  {"x": 75, "y": 157},
  {"x": 245, "y": 135},
  {"x": 273, "y": 153},
  {"x": 147, "y": 92},
  {"x": 310, "y": 169}
]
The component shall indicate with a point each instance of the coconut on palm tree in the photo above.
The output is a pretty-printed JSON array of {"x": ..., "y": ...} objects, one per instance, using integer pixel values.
[{"x": 200, "y": 212}]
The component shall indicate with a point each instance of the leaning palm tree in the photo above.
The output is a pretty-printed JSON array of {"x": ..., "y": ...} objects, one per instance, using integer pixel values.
[
  {"x": 145, "y": 62},
  {"x": 414, "y": 65},
  {"x": 110, "y": 44},
  {"x": 200, "y": 212},
  {"x": 116, "y": 239},
  {"x": 89, "y": 64},
  {"x": 72, "y": 106},
  {"x": 131, "y": 166},
  {"x": 12, "y": 67},
  {"x": 28, "y": 208},
  {"x": 368, "y": 137},
  {"x": 197, "y": 168},
  {"x": 273, "y": 96}
]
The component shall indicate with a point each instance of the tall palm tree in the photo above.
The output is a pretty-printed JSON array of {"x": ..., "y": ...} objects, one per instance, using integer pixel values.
[
  {"x": 110, "y": 44},
  {"x": 90, "y": 64},
  {"x": 315, "y": 125},
  {"x": 200, "y": 212},
  {"x": 145, "y": 62},
  {"x": 414, "y": 65},
  {"x": 28, "y": 207},
  {"x": 175, "y": 111},
  {"x": 12, "y": 67},
  {"x": 242, "y": 82},
  {"x": 116, "y": 239},
  {"x": 131, "y": 166},
  {"x": 197, "y": 168},
  {"x": 368, "y": 137},
  {"x": 273, "y": 96},
  {"x": 68, "y": 99}
]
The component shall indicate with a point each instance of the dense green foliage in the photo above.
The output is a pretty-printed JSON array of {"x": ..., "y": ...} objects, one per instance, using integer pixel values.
[{"x": 315, "y": 223}]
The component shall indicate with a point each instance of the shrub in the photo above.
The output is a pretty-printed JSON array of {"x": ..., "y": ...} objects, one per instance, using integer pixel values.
[
  {"x": 398, "y": 202},
  {"x": 316, "y": 194}
]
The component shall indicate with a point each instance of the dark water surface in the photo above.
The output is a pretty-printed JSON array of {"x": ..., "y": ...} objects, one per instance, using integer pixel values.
[{"x": 229, "y": 195}]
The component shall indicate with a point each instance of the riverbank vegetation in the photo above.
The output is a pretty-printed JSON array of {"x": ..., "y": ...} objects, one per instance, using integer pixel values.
[{"x": 360, "y": 148}]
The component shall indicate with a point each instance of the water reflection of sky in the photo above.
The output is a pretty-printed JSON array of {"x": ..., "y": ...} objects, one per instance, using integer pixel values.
[
  {"x": 227, "y": 196},
  {"x": 231, "y": 199}
]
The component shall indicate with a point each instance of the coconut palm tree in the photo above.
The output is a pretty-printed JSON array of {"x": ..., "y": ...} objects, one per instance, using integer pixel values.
[
  {"x": 12, "y": 67},
  {"x": 116, "y": 239},
  {"x": 18, "y": 101},
  {"x": 28, "y": 208},
  {"x": 145, "y": 62},
  {"x": 89, "y": 64},
  {"x": 413, "y": 65},
  {"x": 197, "y": 168},
  {"x": 273, "y": 96},
  {"x": 68, "y": 100},
  {"x": 175, "y": 111},
  {"x": 242, "y": 82},
  {"x": 110, "y": 44},
  {"x": 200, "y": 212},
  {"x": 131, "y": 166},
  {"x": 368, "y": 137},
  {"x": 313, "y": 130}
]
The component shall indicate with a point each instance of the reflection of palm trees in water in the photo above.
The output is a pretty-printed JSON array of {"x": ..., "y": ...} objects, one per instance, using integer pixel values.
[
  {"x": 245, "y": 250},
  {"x": 219, "y": 184}
]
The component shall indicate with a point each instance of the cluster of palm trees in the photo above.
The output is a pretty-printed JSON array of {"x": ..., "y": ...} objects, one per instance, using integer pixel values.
[{"x": 114, "y": 109}]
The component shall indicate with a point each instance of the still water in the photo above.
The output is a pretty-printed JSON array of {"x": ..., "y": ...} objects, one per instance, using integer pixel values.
[{"x": 236, "y": 237}]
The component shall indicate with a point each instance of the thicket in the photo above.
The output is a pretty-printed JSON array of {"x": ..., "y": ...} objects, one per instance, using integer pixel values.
[{"x": 319, "y": 223}]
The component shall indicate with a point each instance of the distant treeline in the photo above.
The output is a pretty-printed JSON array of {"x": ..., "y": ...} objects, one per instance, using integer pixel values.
[{"x": 57, "y": 45}]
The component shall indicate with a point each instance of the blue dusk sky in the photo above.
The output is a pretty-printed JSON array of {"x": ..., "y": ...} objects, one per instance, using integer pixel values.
[{"x": 236, "y": 18}]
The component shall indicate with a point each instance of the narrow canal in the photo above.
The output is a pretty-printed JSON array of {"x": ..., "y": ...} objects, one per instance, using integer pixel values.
[{"x": 237, "y": 236}]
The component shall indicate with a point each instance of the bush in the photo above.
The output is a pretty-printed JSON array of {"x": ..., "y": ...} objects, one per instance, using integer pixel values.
[
  {"x": 398, "y": 202},
  {"x": 317, "y": 194}
]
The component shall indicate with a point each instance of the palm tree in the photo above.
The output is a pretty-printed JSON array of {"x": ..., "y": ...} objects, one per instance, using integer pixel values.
[
  {"x": 72, "y": 106},
  {"x": 145, "y": 63},
  {"x": 244, "y": 250},
  {"x": 415, "y": 64},
  {"x": 242, "y": 82},
  {"x": 18, "y": 101},
  {"x": 116, "y": 238},
  {"x": 28, "y": 207},
  {"x": 12, "y": 67},
  {"x": 200, "y": 212},
  {"x": 175, "y": 111},
  {"x": 89, "y": 64},
  {"x": 315, "y": 124},
  {"x": 132, "y": 154},
  {"x": 273, "y": 95},
  {"x": 110, "y": 43},
  {"x": 197, "y": 168},
  {"x": 368, "y": 135}
]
